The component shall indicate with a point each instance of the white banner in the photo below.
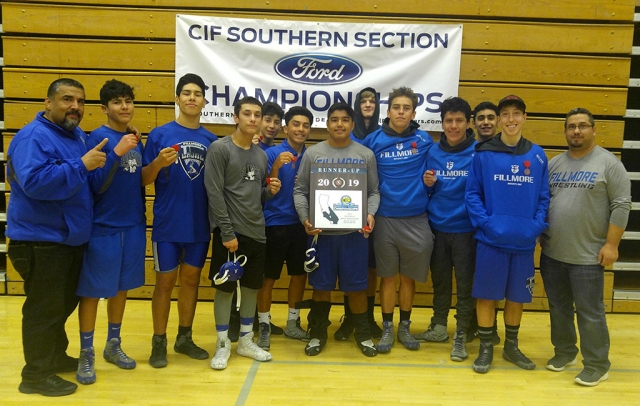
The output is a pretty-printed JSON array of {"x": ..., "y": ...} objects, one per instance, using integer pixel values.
[{"x": 315, "y": 64}]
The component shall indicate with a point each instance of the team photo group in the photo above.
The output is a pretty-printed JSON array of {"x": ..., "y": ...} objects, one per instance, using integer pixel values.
[{"x": 372, "y": 209}]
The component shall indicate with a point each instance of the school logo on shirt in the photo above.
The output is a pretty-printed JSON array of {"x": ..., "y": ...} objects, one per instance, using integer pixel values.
[
  {"x": 449, "y": 165},
  {"x": 191, "y": 156},
  {"x": 251, "y": 173},
  {"x": 130, "y": 161},
  {"x": 515, "y": 168},
  {"x": 399, "y": 146}
]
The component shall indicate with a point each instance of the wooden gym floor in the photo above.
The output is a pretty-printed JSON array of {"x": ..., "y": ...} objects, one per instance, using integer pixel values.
[{"x": 340, "y": 375}]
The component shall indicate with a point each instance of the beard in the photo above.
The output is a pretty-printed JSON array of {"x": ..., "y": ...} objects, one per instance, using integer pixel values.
[{"x": 70, "y": 124}]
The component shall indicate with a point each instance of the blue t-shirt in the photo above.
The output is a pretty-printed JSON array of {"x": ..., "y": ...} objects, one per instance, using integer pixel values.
[
  {"x": 118, "y": 196},
  {"x": 280, "y": 210},
  {"x": 180, "y": 207}
]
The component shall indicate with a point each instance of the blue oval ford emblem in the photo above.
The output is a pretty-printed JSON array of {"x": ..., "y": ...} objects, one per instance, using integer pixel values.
[{"x": 318, "y": 69}]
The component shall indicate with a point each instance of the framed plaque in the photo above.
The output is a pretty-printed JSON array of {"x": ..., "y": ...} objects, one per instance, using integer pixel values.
[{"x": 338, "y": 196}]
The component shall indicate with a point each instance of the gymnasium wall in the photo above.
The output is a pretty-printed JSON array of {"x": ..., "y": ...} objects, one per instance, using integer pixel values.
[{"x": 555, "y": 54}]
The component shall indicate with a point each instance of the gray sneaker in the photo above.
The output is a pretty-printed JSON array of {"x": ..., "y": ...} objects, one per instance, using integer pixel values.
[
  {"x": 387, "y": 339},
  {"x": 86, "y": 373},
  {"x": 294, "y": 331},
  {"x": 264, "y": 336},
  {"x": 436, "y": 333},
  {"x": 459, "y": 347},
  {"x": 405, "y": 337},
  {"x": 113, "y": 353}
]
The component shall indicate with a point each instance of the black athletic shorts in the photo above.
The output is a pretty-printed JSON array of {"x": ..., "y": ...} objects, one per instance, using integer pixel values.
[{"x": 285, "y": 243}]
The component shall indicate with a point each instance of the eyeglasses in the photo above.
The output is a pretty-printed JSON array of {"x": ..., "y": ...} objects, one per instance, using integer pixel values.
[{"x": 581, "y": 127}]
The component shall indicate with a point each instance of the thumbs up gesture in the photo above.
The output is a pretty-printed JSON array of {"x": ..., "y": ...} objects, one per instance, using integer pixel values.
[{"x": 95, "y": 158}]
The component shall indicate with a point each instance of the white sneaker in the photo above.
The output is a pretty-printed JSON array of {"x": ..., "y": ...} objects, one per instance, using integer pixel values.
[
  {"x": 247, "y": 348},
  {"x": 223, "y": 352}
]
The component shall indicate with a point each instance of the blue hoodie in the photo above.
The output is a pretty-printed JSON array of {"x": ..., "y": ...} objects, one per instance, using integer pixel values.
[
  {"x": 507, "y": 194},
  {"x": 401, "y": 162},
  {"x": 50, "y": 194},
  {"x": 446, "y": 209},
  {"x": 280, "y": 210}
]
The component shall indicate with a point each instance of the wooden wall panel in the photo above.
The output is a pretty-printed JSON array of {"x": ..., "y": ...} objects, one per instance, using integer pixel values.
[
  {"x": 157, "y": 84},
  {"x": 33, "y": 83},
  {"x": 543, "y": 9},
  {"x": 82, "y": 54},
  {"x": 551, "y": 99},
  {"x": 160, "y": 24}
]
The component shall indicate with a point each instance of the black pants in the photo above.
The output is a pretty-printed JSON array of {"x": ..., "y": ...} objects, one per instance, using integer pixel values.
[{"x": 50, "y": 272}]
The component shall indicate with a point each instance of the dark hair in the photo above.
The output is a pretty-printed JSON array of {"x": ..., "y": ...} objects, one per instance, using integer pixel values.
[
  {"x": 580, "y": 110},
  {"x": 54, "y": 87},
  {"x": 455, "y": 105},
  {"x": 341, "y": 107},
  {"x": 485, "y": 105},
  {"x": 190, "y": 78},
  {"x": 404, "y": 91},
  {"x": 272, "y": 109},
  {"x": 245, "y": 100},
  {"x": 297, "y": 111},
  {"x": 112, "y": 89}
]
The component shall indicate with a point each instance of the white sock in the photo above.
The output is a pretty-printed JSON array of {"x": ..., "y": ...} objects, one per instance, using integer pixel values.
[
  {"x": 294, "y": 314},
  {"x": 246, "y": 329},
  {"x": 223, "y": 335},
  {"x": 264, "y": 317}
]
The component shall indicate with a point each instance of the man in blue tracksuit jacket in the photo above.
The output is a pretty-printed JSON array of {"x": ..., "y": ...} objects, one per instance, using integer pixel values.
[
  {"x": 454, "y": 246},
  {"x": 403, "y": 240},
  {"x": 49, "y": 222},
  {"x": 507, "y": 200}
]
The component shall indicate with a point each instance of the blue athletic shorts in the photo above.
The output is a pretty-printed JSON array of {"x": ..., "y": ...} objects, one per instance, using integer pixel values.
[
  {"x": 113, "y": 263},
  {"x": 167, "y": 256},
  {"x": 502, "y": 275},
  {"x": 342, "y": 258}
]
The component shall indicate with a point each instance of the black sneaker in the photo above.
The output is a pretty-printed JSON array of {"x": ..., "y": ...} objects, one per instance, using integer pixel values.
[
  {"x": 314, "y": 347},
  {"x": 472, "y": 334},
  {"x": 512, "y": 353},
  {"x": 367, "y": 348},
  {"x": 68, "y": 364},
  {"x": 559, "y": 362},
  {"x": 52, "y": 386},
  {"x": 275, "y": 330},
  {"x": 185, "y": 345},
  {"x": 158, "y": 358},
  {"x": 344, "y": 331},
  {"x": 376, "y": 331},
  {"x": 591, "y": 377},
  {"x": 485, "y": 356}
]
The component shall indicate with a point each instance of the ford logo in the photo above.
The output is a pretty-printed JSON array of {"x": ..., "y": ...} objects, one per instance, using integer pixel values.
[{"x": 318, "y": 69}]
